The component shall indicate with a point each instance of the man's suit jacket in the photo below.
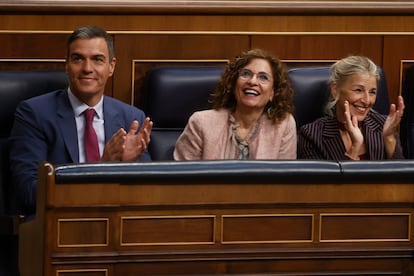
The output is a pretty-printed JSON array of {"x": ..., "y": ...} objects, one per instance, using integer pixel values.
[{"x": 44, "y": 129}]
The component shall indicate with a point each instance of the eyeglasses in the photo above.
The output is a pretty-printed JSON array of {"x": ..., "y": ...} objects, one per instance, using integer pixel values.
[{"x": 262, "y": 77}]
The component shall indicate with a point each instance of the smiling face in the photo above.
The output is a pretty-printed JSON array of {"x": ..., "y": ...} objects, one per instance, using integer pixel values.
[
  {"x": 254, "y": 87},
  {"x": 89, "y": 67},
  {"x": 360, "y": 90}
]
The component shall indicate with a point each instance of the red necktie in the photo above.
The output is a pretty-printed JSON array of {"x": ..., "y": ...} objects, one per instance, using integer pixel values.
[{"x": 90, "y": 138}]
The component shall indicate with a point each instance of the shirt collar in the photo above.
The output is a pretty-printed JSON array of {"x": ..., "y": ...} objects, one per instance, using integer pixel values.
[{"x": 79, "y": 107}]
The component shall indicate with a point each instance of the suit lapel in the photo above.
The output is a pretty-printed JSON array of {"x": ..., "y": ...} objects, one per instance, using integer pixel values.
[
  {"x": 333, "y": 145},
  {"x": 373, "y": 138},
  {"x": 67, "y": 125},
  {"x": 112, "y": 118}
]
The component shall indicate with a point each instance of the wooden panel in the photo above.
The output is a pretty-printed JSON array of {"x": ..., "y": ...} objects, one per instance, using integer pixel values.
[
  {"x": 283, "y": 193},
  {"x": 176, "y": 48},
  {"x": 280, "y": 265},
  {"x": 396, "y": 49},
  {"x": 365, "y": 227},
  {"x": 39, "y": 45},
  {"x": 82, "y": 232},
  {"x": 276, "y": 228},
  {"x": 321, "y": 47},
  {"x": 46, "y": 32},
  {"x": 386, "y": 51},
  {"x": 167, "y": 230},
  {"x": 311, "y": 48},
  {"x": 107, "y": 194},
  {"x": 230, "y": 23},
  {"x": 210, "y": 6},
  {"x": 170, "y": 228},
  {"x": 32, "y": 52}
]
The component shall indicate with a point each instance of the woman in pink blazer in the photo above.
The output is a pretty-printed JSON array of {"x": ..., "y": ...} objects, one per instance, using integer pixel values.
[{"x": 251, "y": 116}]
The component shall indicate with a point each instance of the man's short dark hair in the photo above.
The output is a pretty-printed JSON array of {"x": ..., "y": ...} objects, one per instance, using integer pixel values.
[{"x": 88, "y": 32}]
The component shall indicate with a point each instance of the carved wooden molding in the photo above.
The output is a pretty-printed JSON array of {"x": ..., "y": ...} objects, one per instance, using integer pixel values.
[{"x": 369, "y": 7}]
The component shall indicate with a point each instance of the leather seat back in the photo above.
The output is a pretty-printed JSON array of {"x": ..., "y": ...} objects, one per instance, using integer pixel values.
[
  {"x": 16, "y": 86},
  {"x": 171, "y": 95},
  {"x": 407, "y": 121},
  {"x": 311, "y": 86}
]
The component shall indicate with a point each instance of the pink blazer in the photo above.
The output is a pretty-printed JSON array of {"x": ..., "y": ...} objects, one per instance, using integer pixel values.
[{"x": 207, "y": 136}]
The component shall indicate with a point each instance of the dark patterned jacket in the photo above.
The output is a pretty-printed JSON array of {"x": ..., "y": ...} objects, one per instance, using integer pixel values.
[{"x": 321, "y": 139}]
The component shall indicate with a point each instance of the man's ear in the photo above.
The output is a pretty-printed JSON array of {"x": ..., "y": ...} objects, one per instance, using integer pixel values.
[{"x": 112, "y": 66}]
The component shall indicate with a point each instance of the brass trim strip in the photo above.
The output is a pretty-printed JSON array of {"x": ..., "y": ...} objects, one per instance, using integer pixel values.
[
  {"x": 232, "y": 7},
  {"x": 31, "y": 60},
  {"x": 59, "y": 271},
  {"x": 401, "y": 72},
  {"x": 212, "y": 32}
]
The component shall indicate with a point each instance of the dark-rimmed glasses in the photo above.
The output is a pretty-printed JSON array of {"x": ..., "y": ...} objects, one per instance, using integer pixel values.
[{"x": 247, "y": 74}]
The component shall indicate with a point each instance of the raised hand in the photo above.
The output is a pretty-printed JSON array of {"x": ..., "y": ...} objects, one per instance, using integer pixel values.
[
  {"x": 136, "y": 143},
  {"x": 394, "y": 118},
  {"x": 390, "y": 126},
  {"x": 351, "y": 125},
  {"x": 115, "y": 146}
]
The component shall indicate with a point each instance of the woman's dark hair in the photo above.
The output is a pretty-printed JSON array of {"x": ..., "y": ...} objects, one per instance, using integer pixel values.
[{"x": 282, "y": 102}]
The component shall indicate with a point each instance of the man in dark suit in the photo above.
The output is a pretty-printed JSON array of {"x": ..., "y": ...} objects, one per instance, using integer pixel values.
[{"x": 51, "y": 127}]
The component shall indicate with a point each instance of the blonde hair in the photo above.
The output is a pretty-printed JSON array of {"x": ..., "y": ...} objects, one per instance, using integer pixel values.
[{"x": 346, "y": 67}]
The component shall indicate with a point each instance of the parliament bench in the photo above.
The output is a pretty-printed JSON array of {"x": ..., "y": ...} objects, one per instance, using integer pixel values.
[{"x": 223, "y": 217}]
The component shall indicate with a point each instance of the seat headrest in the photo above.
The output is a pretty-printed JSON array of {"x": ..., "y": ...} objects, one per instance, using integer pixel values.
[
  {"x": 172, "y": 94},
  {"x": 16, "y": 86},
  {"x": 407, "y": 121},
  {"x": 310, "y": 85},
  {"x": 21, "y": 85},
  {"x": 311, "y": 92}
]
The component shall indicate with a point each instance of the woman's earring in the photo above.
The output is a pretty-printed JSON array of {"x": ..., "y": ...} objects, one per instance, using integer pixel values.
[{"x": 270, "y": 111}]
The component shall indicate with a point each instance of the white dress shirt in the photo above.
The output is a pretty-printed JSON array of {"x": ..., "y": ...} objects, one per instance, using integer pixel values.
[{"x": 98, "y": 123}]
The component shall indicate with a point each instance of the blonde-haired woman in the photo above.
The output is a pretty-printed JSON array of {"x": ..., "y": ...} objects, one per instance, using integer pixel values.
[{"x": 352, "y": 130}]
